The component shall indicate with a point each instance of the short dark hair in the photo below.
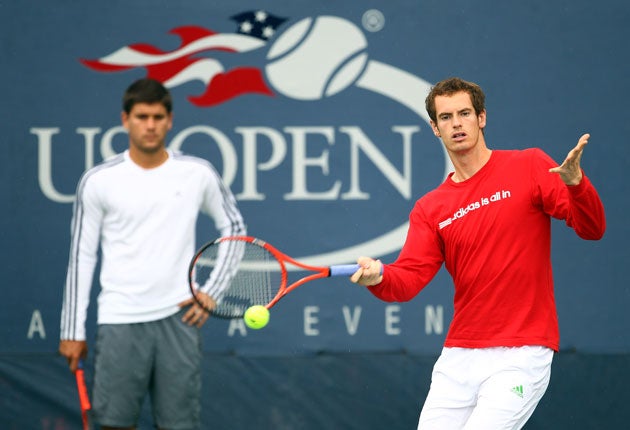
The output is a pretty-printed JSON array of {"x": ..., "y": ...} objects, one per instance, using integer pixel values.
[
  {"x": 450, "y": 86},
  {"x": 149, "y": 91}
]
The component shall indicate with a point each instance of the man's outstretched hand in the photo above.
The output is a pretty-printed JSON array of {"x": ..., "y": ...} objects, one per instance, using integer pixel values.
[{"x": 570, "y": 171}]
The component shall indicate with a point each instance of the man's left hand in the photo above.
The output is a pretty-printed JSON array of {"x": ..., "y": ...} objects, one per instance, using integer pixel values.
[
  {"x": 570, "y": 171},
  {"x": 197, "y": 315}
]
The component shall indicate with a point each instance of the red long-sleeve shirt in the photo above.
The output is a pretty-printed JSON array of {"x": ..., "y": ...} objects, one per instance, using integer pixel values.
[{"x": 493, "y": 233}]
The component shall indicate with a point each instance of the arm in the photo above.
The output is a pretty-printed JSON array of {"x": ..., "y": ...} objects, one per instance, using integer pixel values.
[
  {"x": 219, "y": 203},
  {"x": 85, "y": 233},
  {"x": 585, "y": 211},
  {"x": 419, "y": 260}
]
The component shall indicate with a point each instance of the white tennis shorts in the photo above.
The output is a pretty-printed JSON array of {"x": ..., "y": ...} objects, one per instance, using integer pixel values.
[{"x": 486, "y": 388}]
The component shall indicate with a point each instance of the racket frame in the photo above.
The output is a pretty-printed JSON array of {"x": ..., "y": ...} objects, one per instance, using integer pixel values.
[{"x": 282, "y": 259}]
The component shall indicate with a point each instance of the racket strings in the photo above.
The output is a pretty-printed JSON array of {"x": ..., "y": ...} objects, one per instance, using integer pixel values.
[{"x": 238, "y": 275}]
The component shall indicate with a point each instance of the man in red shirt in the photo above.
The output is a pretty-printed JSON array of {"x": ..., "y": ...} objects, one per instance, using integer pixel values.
[{"x": 489, "y": 223}]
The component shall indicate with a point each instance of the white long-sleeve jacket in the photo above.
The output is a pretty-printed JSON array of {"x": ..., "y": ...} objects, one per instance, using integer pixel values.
[{"x": 144, "y": 221}]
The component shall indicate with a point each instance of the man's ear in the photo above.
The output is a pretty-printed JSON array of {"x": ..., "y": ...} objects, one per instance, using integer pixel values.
[
  {"x": 435, "y": 129},
  {"x": 124, "y": 118},
  {"x": 481, "y": 118}
]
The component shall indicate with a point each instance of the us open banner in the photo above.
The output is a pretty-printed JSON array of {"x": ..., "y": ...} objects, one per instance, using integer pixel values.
[{"x": 315, "y": 118}]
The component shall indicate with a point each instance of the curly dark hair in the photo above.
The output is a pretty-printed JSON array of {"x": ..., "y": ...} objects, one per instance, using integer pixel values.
[{"x": 450, "y": 86}]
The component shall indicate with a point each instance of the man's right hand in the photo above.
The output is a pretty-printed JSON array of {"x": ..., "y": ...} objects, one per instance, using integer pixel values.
[
  {"x": 370, "y": 272},
  {"x": 73, "y": 350}
]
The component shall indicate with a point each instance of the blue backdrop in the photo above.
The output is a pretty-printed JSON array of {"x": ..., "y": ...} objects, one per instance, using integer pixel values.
[{"x": 314, "y": 114}]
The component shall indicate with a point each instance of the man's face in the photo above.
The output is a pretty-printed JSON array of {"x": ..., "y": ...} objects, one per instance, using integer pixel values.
[
  {"x": 147, "y": 125},
  {"x": 457, "y": 124}
]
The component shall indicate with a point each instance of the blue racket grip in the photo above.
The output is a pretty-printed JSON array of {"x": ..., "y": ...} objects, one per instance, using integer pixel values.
[{"x": 343, "y": 269}]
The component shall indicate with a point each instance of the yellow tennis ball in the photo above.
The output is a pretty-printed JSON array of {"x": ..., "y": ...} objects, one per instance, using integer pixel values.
[{"x": 256, "y": 317}]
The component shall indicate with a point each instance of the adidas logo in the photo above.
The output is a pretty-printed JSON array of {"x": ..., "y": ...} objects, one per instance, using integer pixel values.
[{"x": 518, "y": 390}]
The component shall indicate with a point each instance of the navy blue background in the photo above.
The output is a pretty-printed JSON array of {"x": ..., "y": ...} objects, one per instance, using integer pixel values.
[{"x": 551, "y": 71}]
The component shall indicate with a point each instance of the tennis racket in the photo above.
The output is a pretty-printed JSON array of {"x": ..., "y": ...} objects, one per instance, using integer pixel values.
[
  {"x": 242, "y": 271},
  {"x": 84, "y": 399}
]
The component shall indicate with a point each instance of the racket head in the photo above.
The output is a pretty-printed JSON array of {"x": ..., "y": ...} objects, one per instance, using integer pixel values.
[{"x": 237, "y": 272}]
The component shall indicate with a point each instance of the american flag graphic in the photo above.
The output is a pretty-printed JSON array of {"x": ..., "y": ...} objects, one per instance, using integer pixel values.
[{"x": 186, "y": 63}]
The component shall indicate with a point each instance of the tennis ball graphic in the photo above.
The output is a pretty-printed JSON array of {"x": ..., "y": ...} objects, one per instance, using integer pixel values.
[{"x": 316, "y": 57}]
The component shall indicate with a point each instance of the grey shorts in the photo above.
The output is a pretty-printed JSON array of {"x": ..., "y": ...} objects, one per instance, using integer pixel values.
[{"x": 162, "y": 358}]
